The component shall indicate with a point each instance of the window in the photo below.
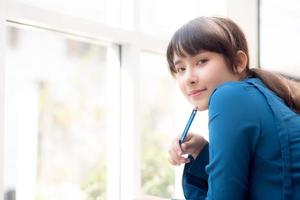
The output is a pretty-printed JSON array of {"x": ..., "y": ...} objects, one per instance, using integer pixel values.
[
  {"x": 279, "y": 36},
  {"x": 90, "y": 107},
  {"x": 56, "y": 116},
  {"x": 163, "y": 18},
  {"x": 160, "y": 120},
  {"x": 103, "y": 11},
  {"x": 156, "y": 94}
]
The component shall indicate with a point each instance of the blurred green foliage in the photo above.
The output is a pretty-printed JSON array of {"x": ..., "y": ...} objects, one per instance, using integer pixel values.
[
  {"x": 95, "y": 184},
  {"x": 158, "y": 176}
]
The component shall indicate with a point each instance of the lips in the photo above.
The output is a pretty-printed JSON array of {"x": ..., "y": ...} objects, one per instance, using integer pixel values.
[{"x": 194, "y": 93}]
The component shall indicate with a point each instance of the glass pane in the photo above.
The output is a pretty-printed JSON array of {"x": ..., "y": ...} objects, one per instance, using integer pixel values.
[
  {"x": 56, "y": 117},
  {"x": 156, "y": 91},
  {"x": 164, "y": 17},
  {"x": 279, "y": 36},
  {"x": 163, "y": 114},
  {"x": 96, "y": 10}
]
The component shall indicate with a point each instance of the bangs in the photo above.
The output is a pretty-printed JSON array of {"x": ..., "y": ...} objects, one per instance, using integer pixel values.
[
  {"x": 187, "y": 42},
  {"x": 214, "y": 34},
  {"x": 192, "y": 38}
]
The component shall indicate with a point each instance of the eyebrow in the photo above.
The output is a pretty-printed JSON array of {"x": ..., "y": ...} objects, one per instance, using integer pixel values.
[
  {"x": 177, "y": 62},
  {"x": 193, "y": 56}
]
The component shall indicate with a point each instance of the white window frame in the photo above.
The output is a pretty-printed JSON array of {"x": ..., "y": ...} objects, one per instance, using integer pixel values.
[
  {"x": 130, "y": 43},
  {"x": 245, "y": 13},
  {"x": 2, "y": 76}
]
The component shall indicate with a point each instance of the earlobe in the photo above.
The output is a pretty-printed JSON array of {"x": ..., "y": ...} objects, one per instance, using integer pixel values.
[{"x": 241, "y": 61}]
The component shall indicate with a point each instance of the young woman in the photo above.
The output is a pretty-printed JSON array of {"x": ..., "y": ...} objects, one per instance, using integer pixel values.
[{"x": 254, "y": 122}]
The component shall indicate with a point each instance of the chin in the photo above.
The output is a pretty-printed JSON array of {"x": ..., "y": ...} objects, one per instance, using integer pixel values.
[{"x": 201, "y": 106}]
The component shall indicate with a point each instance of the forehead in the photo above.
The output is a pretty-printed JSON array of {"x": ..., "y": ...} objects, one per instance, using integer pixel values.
[{"x": 186, "y": 56}]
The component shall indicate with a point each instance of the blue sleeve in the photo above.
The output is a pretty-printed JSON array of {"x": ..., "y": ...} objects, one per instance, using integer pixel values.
[
  {"x": 194, "y": 179},
  {"x": 234, "y": 128}
]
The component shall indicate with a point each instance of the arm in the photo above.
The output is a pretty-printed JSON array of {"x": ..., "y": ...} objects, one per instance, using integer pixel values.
[
  {"x": 234, "y": 129},
  {"x": 194, "y": 178},
  {"x": 194, "y": 181}
]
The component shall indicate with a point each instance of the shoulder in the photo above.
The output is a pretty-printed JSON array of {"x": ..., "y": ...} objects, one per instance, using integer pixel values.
[
  {"x": 236, "y": 98},
  {"x": 230, "y": 93}
]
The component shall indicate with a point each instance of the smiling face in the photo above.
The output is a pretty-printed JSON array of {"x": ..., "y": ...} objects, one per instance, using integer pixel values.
[{"x": 198, "y": 76}]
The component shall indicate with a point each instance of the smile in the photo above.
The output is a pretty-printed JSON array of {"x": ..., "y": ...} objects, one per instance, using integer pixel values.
[{"x": 195, "y": 93}]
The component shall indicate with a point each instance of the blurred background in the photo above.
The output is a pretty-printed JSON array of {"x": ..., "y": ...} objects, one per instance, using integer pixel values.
[{"x": 88, "y": 107}]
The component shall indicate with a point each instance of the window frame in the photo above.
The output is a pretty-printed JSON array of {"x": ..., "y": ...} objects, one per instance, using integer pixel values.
[
  {"x": 2, "y": 76},
  {"x": 126, "y": 46}
]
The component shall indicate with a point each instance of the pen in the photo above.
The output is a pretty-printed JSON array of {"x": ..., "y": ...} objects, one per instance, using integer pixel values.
[{"x": 187, "y": 126}]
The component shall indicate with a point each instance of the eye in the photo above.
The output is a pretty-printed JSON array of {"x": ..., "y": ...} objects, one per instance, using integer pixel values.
[
  {"x": 180, "y": 69},
  {"x": 202, "y": 61}
]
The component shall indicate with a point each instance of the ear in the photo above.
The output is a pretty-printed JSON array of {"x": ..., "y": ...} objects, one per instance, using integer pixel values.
[{"x": 241, "y": 61}]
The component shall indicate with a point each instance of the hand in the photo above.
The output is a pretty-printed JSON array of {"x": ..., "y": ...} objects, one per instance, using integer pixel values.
[{"x": 193, "y": 144}]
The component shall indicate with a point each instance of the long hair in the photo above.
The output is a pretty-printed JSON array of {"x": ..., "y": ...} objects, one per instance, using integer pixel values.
[{"x": 222, "y": 35}]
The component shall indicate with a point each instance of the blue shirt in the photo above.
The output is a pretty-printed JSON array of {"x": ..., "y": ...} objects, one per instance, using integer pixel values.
[{"x": 254, "y": 147}]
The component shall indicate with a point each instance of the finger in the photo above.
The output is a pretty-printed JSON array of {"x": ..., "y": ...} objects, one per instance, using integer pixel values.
[
  {"x": 189, "y": 147},
  {"x": 184, "y": 146},
  {"x": 189, "y": 136},
  {"x": 177, "y": 147},
  {"x": 172, "y": 162},
  {"x": 175, "y": 163},
  {"x": 175, "y": 157},
  {"x": 178, "y": 158},
  {"x": 187, "y": 160},
  {"x": 192, "y": 143}
]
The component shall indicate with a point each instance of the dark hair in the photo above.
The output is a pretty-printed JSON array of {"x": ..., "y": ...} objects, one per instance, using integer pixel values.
[{"x": 222, "y": 35}]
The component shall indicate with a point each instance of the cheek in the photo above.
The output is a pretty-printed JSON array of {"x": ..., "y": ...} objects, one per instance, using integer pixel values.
[
  {"x": 211, "y": 76},
  {"x": 179, "y": 84},
  {"x": 216, "y": 75}
]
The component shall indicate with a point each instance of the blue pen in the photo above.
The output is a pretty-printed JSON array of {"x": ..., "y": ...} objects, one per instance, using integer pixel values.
[{"x": 187, "y": 126}]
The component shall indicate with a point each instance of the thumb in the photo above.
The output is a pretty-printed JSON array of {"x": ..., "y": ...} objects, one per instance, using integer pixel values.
[
  {"x": 188, "y": 146},
  {"x": 185, "y": 147}
]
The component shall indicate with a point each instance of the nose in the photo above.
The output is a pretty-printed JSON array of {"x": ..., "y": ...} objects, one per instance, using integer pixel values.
[{"x": 191, "y": 77}]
